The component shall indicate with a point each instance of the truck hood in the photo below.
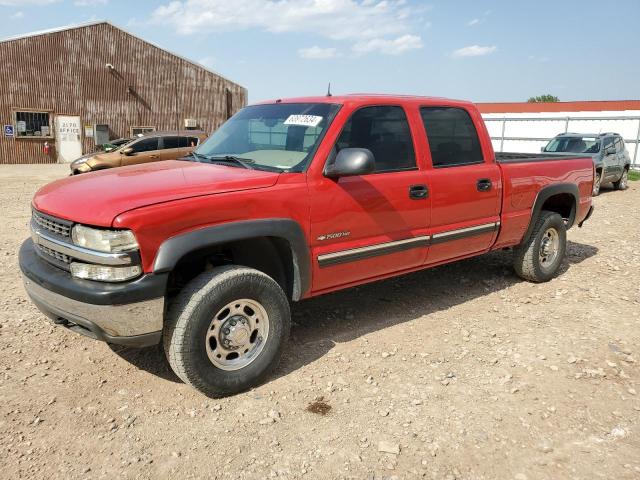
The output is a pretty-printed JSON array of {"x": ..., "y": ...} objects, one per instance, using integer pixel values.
[{"x": 96, "y": 198}]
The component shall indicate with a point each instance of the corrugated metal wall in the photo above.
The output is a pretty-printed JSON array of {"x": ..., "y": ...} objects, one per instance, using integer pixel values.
[{"x": 64, "y": 72}]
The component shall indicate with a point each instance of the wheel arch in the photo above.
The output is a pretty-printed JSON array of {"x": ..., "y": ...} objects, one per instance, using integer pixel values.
[
  {"x": 561, "y": 198},
  {"x": 268, "y": 243}
]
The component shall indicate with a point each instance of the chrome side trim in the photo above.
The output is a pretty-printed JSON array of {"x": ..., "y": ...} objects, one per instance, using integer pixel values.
[
  {"x": 116, "y": 320},
  {"x": 369, "y": 251},
  {"x": 40, "y": 237},
  {"x": 372, "y": 251},
  {"x": 465, "y": 232}
]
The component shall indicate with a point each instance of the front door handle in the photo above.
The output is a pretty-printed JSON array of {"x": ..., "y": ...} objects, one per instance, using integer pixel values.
[
  {"x": 484, "y": 185},
  {"x": 418, "y": 192}
]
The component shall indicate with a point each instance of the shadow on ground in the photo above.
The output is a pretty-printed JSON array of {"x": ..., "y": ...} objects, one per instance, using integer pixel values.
[{"x": 321, "y": 322}]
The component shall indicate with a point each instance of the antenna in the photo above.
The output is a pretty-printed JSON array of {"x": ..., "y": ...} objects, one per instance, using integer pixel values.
[{"x": 329, "y": 90}]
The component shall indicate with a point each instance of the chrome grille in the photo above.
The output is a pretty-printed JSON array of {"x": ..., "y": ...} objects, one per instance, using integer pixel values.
[
  {"x": 56, "y": 226},
  {"x": 61, "y": 257}
]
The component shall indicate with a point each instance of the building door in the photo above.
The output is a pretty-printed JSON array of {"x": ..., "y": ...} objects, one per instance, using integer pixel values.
[{"x": 68, "y": 140}]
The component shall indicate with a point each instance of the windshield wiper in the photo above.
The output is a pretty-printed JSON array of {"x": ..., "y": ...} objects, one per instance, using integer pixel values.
[
  {"x": 243, "y": 162},
  {"x": 197, "y": 156}
]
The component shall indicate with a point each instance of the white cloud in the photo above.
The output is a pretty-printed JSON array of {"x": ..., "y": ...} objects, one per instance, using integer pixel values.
[
  {"x": 316, "y": 52},
  {"x": 17, "y": 15},
  {"x": 340, "y": 20},
  {"x": 90, "y": 3},
  {"x": 473, "y": 22},
  {"x": 24, "y": 3},
  {"x": 389, "y": 46},
  {"x": 474, "y": 51},
  {"x": 208, "y": 62}
]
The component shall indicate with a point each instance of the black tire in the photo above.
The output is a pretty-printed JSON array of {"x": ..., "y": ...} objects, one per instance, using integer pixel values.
[
  {"x": 528, "y": 262},
  {"x": 623, "y": 182},
  {"x": 190, "y": 317},
  {"x": 597, "y": 183}
]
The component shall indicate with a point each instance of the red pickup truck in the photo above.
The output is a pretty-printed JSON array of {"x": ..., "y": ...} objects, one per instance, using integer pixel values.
[{"x": 289, "y": 199}]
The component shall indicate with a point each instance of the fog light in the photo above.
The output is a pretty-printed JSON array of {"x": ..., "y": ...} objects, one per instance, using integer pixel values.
[{"x": 103, "y": 273}]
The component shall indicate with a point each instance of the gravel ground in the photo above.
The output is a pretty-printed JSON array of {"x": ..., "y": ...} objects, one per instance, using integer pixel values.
[{"x": 463, "y": 371}]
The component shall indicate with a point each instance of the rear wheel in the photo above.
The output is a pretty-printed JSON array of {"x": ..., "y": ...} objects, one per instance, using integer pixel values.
[
  {"x": 540, "y": 257},
  {"x": 597, "y": 182},
  {"x": 226, "y": 329},
  {"x": 623, "y": 183}
]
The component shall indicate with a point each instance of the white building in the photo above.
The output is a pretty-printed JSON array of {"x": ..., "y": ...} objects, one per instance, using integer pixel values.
[{"x": 526, "y": 127}]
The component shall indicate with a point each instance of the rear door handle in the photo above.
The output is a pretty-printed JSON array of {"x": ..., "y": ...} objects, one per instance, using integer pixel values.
[
  {"x": 418, "y": 192},
  {"x": 484, "y": 185}
]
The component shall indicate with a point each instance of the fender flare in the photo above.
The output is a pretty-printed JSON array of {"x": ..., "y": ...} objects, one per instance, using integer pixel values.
[
  {"x": 545, "y": 194},
  {"x": 175, "y": 248}
]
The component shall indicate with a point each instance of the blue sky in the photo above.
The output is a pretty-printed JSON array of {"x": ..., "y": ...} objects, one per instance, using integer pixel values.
[{"x": 481, "y": 50}]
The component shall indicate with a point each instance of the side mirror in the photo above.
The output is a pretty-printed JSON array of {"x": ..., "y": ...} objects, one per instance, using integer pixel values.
[
  {"x": 542, "y": 149},
  {"x": 610, "y": 151},
  {"x": 351, "y": 162},
  {"x": 127, "y": 151}
]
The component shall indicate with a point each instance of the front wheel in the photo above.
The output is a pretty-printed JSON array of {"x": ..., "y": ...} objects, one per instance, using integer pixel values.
[
  {"x": 623, "y": 183},
  {"x": 226, "y": 329},
  {"x": 540, "y": 257}
]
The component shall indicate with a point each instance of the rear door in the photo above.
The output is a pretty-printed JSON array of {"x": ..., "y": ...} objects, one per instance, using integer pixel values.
[
  {"x": 465, "y": 187},
  {"x": 621, "y": 155},
  {"x": 609, "y": 159},
  {"x": 366, "y": 227},
  {"x": 172, "y": 147}
]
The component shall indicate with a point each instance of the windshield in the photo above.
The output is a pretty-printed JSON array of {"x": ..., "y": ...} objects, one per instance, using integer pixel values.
[
  {"x": 574, "y": 145},
  {"x": 277, "y": 137}
]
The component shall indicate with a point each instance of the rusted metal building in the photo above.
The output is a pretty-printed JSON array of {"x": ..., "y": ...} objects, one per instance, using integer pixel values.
[{"x": 66, "y": 91}]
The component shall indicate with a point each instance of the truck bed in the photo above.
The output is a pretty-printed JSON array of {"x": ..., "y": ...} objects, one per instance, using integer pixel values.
[{"x": 513, "y": 157}]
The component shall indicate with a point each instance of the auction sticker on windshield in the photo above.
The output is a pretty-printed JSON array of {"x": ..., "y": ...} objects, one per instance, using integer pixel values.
[{"x": 303, "y": 120}]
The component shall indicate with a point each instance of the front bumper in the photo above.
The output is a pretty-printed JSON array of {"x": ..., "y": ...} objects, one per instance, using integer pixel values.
[{"x": 129, "y": 313}]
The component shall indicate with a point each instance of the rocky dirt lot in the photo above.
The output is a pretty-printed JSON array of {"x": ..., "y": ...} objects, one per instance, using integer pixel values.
[{"x": 461, "y": 372}]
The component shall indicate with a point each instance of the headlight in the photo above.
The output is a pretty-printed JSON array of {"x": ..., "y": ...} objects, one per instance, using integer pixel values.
[
  {"x": 103, "y": 273},
  {"x": 104, "y": 240}
]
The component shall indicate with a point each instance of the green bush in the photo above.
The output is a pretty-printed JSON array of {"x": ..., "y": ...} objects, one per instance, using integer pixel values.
[{"x": 634, "y": 175}]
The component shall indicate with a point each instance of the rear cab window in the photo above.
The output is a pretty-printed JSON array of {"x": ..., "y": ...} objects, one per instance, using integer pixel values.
[
  {"x": 384, "y": 130},
  {"x": 452, "y": 137}
]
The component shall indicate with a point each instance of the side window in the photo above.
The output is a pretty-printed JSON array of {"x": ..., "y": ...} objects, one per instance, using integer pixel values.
[
  {"x": 607, "y": 143},
  {"x": 453, "y": 139},
  {"x": 172, "y": 142},
  {"x": 619, "y": 144},
  {"x": 383, "y": 130},
  {"x": 145, "y": 145}
]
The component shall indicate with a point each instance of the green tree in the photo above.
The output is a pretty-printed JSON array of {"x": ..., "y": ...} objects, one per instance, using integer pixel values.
[{"x": 543, "y": 99}]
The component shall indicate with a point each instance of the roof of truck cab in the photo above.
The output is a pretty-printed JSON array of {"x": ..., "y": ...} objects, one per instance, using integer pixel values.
[{"x": 367, "y": 98}]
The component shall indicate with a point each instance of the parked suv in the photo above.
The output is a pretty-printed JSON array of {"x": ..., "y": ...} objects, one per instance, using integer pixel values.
[
  {"x": 151, "y": 147},
  {"x": 608, "y": 151}
]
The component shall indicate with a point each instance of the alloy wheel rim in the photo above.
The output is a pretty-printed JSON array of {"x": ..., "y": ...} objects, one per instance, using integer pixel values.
[
  {"x": 623, "y": 180},
  {"x": 549, "y": 247},
  {"x": 237, "y": 334}
]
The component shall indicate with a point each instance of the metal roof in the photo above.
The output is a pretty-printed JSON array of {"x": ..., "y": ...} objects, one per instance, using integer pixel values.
[
  {"x": 584, "y": 106},
  {"x": 100, "y": 22}
]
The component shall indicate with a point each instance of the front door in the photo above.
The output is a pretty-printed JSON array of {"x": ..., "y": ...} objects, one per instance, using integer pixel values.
[
  {"x": 465, "y": 187},
  {"x": 369, "y": 226},
  {"x": 68, "y": 140},
  {"x": 143, "y": 150}
]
